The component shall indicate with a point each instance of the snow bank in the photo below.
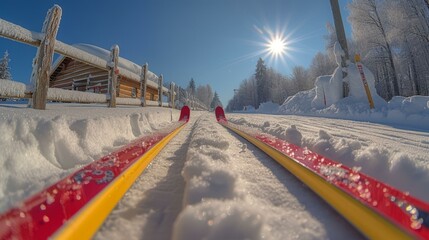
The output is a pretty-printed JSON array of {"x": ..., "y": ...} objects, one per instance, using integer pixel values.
[
  {"x": 322, "y": 82},
  {"x": 415, "y": 105},
  {"x": 40, "y": 147},
  {"x": 266, "y": 107},
  {"x": 411, "y": 112},
  {"x": 390, "y": 165},
  {"x": 298, "y": 103}
]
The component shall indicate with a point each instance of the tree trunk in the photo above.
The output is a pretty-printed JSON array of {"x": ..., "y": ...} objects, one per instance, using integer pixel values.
[
  {"x": 389, "y": 52},
  {"x": 387, "y": 82}
]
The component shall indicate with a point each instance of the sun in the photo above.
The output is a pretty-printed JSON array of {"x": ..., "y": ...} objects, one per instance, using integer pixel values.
[{"x": 276, "y": 46}]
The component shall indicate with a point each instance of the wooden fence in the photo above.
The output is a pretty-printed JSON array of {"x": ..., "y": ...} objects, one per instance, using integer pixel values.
[{"x": 39, "y": 92}]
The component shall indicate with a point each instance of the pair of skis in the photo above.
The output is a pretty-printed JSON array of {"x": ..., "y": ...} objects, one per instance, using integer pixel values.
[
  {"x": 76, "y": 206},
  {"x": 377, "y": 210}
]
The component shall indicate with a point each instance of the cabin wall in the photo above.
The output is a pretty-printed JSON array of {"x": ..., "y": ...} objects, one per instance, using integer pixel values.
[
  {"x": 78, "y": 76},
  {"x": 131, "y": 89},
  {"x": 74, "y": 75}
]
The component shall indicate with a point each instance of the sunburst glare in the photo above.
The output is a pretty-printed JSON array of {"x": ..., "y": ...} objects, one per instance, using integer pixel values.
[{"x": 277, "y": 46}]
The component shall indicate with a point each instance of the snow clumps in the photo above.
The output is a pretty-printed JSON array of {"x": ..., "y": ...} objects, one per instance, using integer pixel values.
[{"x": 210, "y": 211}]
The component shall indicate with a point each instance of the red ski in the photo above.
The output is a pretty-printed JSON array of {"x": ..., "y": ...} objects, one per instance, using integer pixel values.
[
  {"x": 77, "y": 205},
  {"x": 376, "y": 209}
]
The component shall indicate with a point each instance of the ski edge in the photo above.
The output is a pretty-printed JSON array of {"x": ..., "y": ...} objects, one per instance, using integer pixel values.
[
  {"x": 28, "y": 220},
  {"x": 86, "y": 222}
]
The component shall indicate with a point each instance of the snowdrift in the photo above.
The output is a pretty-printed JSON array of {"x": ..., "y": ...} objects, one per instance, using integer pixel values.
[{"x": 73, "y": 135}]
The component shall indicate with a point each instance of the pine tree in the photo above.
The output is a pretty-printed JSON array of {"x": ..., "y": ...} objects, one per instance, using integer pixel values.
[
  {"x": 216, "y": 101},
  {"x": 191, "y": 87},
  {"x": 4, "y": 67},
  {"x": 261, "y": 82}
]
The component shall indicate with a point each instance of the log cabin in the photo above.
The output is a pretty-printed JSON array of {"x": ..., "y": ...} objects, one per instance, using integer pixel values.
[{"x": 70, "y": 74}]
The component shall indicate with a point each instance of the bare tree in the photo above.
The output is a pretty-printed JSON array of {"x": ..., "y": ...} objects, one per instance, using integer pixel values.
[{"x": 370, "y": 30}]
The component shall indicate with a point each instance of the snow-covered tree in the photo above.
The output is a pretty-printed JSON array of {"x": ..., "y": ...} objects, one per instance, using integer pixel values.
[
  {"x": 279, "y": 88},
  {"x": 4, "y": 67},
  {"x": 410, "y": 36},
  {"x": 370, "y": 31},
  {"x": 322, "y": 64},
  {"x": 300, "y": 79},
  {"x": 262, "y": 83},
  {"x": 215, "y": 101},
  {"x": 205, "y": 94},
  {"x": 191, "y": 87}
]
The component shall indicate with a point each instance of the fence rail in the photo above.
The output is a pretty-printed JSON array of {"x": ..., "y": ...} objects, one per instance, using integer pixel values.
[{"x": 39, "y": 91}]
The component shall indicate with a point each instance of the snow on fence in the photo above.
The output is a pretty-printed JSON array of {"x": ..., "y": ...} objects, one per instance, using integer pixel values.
[{"x": 47, "y": 44}]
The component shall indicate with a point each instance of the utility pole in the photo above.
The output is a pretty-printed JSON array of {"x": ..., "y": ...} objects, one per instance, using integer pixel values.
[{"x": 341, "y": 36}]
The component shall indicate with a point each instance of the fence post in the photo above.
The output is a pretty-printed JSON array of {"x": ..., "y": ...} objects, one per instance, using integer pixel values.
[
  {"x": 179, "y": 94},
  {"x": 43, "y": 60},
  {"x": 113, "y": 75},
  {"x": 143, "y": 84},
  {"x": 193, "y": 102},
  {"x": 172, "y": 94},
  {"x": 160, "y": 79}
]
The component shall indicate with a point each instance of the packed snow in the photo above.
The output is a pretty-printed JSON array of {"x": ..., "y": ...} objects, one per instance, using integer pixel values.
[
  {"x": 207, "y": 183},
  {"x": 396, "y": 156},
  {"x": 210, "y": 184}
]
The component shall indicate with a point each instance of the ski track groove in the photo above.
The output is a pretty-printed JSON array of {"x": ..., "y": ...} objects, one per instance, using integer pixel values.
[
  {"x": 286, "y": 196},
  {"x": 151, "y": 205},
  {"x": 289, "y": 209}
]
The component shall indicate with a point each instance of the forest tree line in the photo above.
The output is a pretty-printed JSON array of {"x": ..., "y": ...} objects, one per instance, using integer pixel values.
[
  {"x": 202, "y": 93},
  {"x": 391, "y": 36}
]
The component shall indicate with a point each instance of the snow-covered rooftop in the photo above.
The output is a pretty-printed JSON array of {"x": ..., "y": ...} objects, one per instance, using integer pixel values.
[{"x": 134, "y": 69}]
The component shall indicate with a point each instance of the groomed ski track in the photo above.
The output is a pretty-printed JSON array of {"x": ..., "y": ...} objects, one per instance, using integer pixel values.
[{"x": 208, "y": 183}]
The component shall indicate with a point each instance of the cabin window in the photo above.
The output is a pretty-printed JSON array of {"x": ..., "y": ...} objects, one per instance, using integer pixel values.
[{"x": 152, "y": 97}]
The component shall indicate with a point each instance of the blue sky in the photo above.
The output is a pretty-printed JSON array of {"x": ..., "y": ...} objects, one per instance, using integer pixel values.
[{"x": 216, "y": 42}]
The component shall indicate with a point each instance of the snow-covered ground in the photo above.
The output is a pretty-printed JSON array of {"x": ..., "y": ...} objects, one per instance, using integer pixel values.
[
  {"x": 397, "y": 156},
  {"x": 211, "y": 184},
  {"x": 207, "y": 183},
  {"x": 40, "y": 147}
]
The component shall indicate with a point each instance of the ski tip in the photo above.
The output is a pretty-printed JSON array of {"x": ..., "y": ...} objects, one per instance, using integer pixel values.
[
  {"x": 220, "y": 114},
  {"x": 185, "y": 114}
]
